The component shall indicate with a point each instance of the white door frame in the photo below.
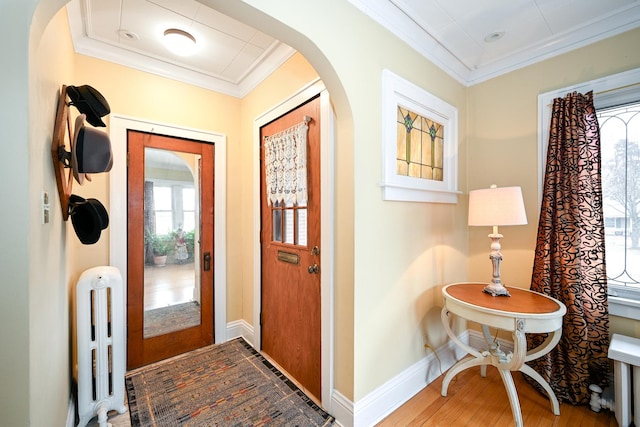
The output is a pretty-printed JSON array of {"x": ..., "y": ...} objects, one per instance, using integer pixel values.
[
  {"x": 327, "y": 136},
  {"x": 119, "y": 125}
]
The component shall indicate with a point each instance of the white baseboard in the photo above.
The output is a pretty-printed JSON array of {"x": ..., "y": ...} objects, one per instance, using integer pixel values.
[
  {"x": 239, "y": 328},
  {"x": 395, "y": 392},
  {"x": 341, "y": 409},
  {"x": 476, "y": 340}
]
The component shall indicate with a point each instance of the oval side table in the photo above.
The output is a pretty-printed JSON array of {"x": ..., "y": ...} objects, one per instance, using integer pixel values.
[{"x": 523, "y": 312}]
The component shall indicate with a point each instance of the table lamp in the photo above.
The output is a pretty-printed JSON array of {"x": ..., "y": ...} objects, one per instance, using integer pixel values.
[{"x": 496, "y": 207}]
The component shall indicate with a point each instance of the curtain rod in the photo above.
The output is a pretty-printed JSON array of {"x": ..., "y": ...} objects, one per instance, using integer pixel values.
[
  {"x": 617, "y": 88},
  {"x": 305, "y": 120},
  {"x": 602, "y": 92}
]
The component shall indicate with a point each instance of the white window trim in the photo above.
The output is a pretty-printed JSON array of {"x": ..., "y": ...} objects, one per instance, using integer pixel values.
[
  {"x": 624, "y": 302},
  {"x": 397, "y": 91},
  {"x": 608, "y": 91}
]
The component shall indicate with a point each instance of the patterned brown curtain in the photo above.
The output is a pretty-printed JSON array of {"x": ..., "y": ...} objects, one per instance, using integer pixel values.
[{"x": 569, "y": 260}]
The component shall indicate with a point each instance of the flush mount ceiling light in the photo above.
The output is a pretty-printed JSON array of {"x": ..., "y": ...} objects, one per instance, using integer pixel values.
[
  {"x": 179, "y": 42},
  {"x": 495, "y": 36}
]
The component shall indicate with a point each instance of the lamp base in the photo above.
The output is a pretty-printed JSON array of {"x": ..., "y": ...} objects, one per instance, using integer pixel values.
[
  {"x": 496, "y": 291},
  {"x": 496, "y": 288}
]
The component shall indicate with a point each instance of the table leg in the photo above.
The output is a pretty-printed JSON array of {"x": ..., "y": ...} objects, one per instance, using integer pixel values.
[
  {"x": 474, "y": 359},
  {"x": 514, "y": 361},
  {"x": 489, "y": 340},
  {"x": 466, "y": 363},
  {"x": 507, "y": 379},
  {"x": 528, "y": 370},
  {"x": 547, "y": 345},
  {"x": 444, "y": 316}
]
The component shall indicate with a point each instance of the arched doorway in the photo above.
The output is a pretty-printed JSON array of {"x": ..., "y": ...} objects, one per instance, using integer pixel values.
[{"x": 46, "y": 9}]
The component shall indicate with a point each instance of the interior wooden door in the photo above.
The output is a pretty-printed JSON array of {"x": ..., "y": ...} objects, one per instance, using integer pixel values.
[
  {"x": 290, "y": 248},
  {"x": 170, "y": 246}
]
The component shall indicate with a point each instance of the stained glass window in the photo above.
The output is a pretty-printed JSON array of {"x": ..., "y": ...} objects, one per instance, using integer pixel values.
[{"x": 420, "y": 146}]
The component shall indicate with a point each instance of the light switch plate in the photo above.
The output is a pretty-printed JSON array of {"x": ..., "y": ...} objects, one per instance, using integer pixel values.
[{"x": 46, "y": 207}]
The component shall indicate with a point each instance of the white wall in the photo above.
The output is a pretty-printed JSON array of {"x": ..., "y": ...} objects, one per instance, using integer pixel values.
[{"x": 14, "y": 224}]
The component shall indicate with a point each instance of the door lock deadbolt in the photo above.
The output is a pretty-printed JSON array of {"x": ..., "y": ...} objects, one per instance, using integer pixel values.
[{"x": 207, "y": 261}]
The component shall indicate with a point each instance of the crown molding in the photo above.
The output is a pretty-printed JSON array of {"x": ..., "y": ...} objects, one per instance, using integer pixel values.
[
  {"x": 593, "y": 32},
  {"x": 385, "y": 13},
  {"x": 273, "y": 58}
]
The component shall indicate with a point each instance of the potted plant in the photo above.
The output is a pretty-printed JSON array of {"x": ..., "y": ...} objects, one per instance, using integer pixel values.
[
  {"x": 190, "y": 239},
  {"x": 161, "y": 246}
]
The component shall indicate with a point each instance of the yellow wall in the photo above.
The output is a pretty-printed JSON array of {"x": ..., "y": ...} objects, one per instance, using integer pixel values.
[
  {"x": 141, "y": 95},
  {"x": 292, "y": 76},
  {"x": 49, "y": 307},
  {"x": 391, "y": 257},
  {"x": 503, "y": 146},
  {"x": 402, "y": 252},
  {"x": 401, "y": 276}
]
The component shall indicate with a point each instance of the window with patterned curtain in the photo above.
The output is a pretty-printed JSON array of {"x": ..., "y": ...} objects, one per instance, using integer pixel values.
[
  {"x": 616, "y": 100},
  {"x": 620, "y": 139}
]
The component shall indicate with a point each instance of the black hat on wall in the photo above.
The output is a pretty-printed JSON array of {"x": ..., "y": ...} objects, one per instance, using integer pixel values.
[
  {"x": 89, "y": 218},
  {"x": 89, "y": 102},
  {"x": 91, "y": 151}
]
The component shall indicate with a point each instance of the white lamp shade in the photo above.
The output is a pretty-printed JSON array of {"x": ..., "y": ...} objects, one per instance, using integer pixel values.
[{"x": 496, "y": 207}]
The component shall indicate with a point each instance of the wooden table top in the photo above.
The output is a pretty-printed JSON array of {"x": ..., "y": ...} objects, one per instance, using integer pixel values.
[{"x": 520, "y": 301}]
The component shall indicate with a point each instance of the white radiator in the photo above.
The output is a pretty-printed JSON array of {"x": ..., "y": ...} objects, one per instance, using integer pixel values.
[
  {"x": 100, "y": 344},
  {"x": 625, "y": 352}
]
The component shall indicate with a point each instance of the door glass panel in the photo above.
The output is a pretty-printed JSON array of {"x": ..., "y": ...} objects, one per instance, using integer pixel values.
[
  {"x": 171, "y": 212},
  {"x": 302, "y": 227},
  {"x": 277, "y": 222},
  {"x": 289, "y": 223},
  {"x": 288, "y": 226}
]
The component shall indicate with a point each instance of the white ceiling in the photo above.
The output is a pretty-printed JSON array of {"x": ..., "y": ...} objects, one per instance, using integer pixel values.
[
  {"x": 451, "y": 33},
  {"x": 233, "y": 58}
]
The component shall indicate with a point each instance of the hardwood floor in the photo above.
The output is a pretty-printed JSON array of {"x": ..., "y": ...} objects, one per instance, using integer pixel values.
[
  {"x": 476, "y": 401},
  {"x": 168, "y": 285},
  {"x": 472, "y": 401}
]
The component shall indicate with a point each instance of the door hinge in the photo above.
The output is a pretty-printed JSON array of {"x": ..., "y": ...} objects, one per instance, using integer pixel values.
[
  {"x": 260, "y": 318},
  {"x": 127, "y": 159}
]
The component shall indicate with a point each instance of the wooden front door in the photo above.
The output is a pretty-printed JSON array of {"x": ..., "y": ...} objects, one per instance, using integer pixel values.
[
  {"x": 290, "y": 249},
  {"x": 170, "y": 246}
]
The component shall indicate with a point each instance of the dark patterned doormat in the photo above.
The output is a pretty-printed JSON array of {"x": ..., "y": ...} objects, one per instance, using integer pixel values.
[
  {"x": 228, "y": 384},
  {"x": 163, "y": 320}
]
